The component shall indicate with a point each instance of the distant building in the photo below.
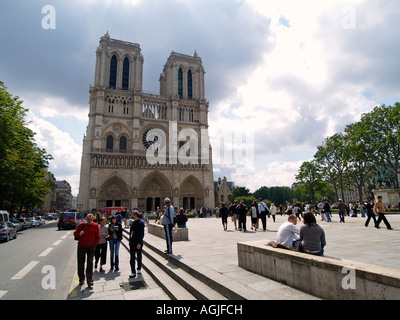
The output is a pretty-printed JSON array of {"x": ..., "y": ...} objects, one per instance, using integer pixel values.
[
  {"x": 63, "y": 196},
  {"x": 50, "y": 197},
  {"x": 222, "y": 190}
]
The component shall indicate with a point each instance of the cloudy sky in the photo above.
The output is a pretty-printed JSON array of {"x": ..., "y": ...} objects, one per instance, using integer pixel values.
[{"x": 288, "y": 72}]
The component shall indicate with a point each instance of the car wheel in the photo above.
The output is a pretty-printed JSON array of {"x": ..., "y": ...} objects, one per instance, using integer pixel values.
[
  {"x": 15, "y": 237},
  {"x": 8, "y": 237}
]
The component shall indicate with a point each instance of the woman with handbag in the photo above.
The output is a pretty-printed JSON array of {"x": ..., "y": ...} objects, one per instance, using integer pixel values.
[
  {"x": 101, "y": 248},
  {"x": 115, "y": 236}
]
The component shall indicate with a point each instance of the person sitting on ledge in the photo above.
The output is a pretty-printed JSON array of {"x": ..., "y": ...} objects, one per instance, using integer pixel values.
[
  {"x": 181, "y": 218},
  {"x": 288, "y": 233},
  {"x": 312, "y": 236}
]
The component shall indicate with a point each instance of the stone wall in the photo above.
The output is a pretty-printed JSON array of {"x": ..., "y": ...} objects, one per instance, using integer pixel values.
[{"x": 325, "y": 277}]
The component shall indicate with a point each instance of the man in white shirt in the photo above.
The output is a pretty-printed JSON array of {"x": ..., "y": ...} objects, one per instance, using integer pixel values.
[
  {"x": 263, "y": 210},
  {"x": 288, "y": 233}
]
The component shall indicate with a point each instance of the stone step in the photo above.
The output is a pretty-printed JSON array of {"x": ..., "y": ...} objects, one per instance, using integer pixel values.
[
  {"x": 171, "y": 287},
  {"x": 223, "y": 290},
  {"x": 197, "y": 288}
]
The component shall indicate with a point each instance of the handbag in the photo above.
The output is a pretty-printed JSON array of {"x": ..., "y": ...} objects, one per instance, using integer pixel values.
[{"x": 77, "y": 237}]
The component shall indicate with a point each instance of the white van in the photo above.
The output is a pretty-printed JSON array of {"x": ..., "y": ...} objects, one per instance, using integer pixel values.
[{"x": 4, "y": 216}]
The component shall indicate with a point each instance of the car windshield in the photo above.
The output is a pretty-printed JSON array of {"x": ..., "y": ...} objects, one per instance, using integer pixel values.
[{"x": 70, "y": 215}]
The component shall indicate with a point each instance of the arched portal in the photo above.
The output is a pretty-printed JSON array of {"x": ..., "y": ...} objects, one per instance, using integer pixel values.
[
  {"x": 114, "y": 193},
  {"x": 191, "y": 193},
  {"x": 152, "y": 191}
]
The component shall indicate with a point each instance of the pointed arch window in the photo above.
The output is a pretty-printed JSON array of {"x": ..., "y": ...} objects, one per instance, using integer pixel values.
[
  {"x": 113, "y": 73},
  {"x": 180, "y": 83},
  {"x": 189, "y": 82},
  {"x": 122, "y": 144},
  {"x": 110, "y": 143},
  {"x": 125, "y": 75}
]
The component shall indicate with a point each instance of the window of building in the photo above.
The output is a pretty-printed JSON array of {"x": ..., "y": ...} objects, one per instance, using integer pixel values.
[
  {"x": 125, "y": 75},
  {"x": 113, "y": 73},
  {"x": 109, "y": 143},
  {"x": 181, "y": 114},
  {"x": 180, "y": 83},
  {"x": 189, "y": 80},
  {"x": 122, "y": 144}
]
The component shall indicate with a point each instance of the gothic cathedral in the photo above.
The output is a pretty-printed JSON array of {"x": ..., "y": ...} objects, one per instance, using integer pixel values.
[{"x": 140, "y": 148}]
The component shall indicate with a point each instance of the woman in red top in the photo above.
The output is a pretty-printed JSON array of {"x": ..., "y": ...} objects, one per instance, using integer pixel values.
[{"x": 89, "y": 236}]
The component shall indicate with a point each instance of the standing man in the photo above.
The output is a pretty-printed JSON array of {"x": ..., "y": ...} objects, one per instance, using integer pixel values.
[
  {"x": 233, "y": 212},
  {"x": 263, "y": 209},
  {"x": 342, "y": 210},
  {"x": 89, "y": 236},
  {"x": 242, "y": 212},
  {"x": 380, "y": 209},
  {"x": 370, "y": 212},
  {"x": 168, "y": 223},
  {"x": 136, "y": 236}
]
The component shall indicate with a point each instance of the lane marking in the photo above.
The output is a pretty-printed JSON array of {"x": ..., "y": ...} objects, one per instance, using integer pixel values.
[
  {"x": 2, "y": 293},
  {"x": 57, "y": 243},
  {"x": 25, "y": 270},
  {"x": 46, "y": 252}
]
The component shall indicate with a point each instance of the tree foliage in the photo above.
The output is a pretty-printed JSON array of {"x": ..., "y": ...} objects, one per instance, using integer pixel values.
[
  {"x": 348, "y": 160},
  {"x": 22, "y": 163}
]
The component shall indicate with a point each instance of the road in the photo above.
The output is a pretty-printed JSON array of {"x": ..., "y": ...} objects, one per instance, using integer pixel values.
[{"x": 38, "y": 265}]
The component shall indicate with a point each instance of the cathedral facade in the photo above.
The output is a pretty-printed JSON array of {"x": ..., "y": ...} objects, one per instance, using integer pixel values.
[{"x": 140, "y": 148}]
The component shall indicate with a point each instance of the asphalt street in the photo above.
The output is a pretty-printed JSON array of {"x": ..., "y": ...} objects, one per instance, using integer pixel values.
[{"x": 35, "y": 265}]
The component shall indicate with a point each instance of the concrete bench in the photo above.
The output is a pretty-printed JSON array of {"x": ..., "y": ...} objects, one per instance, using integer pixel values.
[
  {"x": 182, "y": 234},
  {"x": 325, "y": 277}
]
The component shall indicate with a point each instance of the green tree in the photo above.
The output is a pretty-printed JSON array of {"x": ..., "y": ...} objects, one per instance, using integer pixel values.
[
  {"x": 22, "y": 164},
  {"x": 239, "y": 192},
  {"x": 360, "y": 155},
  {"x": 332, "y": 157},
  {"x": 383, "y": 125},
  {"x": 312, "y": 184}
]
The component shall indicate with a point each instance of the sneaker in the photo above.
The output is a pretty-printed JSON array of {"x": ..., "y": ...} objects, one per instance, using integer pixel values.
[
  {"x": 132, "y": 275},
  {"x": 138, "y": 271}
]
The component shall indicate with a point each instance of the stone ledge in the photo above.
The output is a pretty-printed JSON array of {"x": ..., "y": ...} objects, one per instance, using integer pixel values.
[
  {"x": 182, "y": 234},
  {"x": 325, "y": 277}
]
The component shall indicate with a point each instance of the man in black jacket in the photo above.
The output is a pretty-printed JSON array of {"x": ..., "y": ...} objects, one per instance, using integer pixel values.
[{"x": 136, "y": 236}]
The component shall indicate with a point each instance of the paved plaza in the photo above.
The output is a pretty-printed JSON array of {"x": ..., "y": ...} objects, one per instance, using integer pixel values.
[{"x": 213, "y": 251}]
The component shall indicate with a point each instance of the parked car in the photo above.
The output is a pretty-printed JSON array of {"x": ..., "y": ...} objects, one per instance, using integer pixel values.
[
  {"x": 52, "y": 216},
  {"x": 17, "y": 224},
  {"x": 41, "y": 220},
  {"x": 7, "y": 231},
  {"x": 67, "y": 220},
  {"x": 26, "y": 223},
  {"x": 35, "y": 221}
]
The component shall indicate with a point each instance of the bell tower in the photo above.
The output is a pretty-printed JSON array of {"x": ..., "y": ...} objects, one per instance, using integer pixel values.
[
  {"x": 183, "y": 77},
  {"x": 119, "y": 65}
]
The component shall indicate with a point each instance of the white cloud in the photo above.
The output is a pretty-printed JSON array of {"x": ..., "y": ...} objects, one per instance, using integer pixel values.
[
  {"x": 66, "y": 153},
  {"x": 53, "y": 107}
]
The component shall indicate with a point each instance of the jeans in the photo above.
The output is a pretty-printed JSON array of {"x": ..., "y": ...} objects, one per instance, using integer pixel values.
[
  {"x": 328, "y": 216},
  {"x": 135, "y": 252},
  {"x": 341, "y": 215},
  {"x": 168, "y": 236},
  {"x": 114, "y": 252},
  {"x": 101, "y": 252}
]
